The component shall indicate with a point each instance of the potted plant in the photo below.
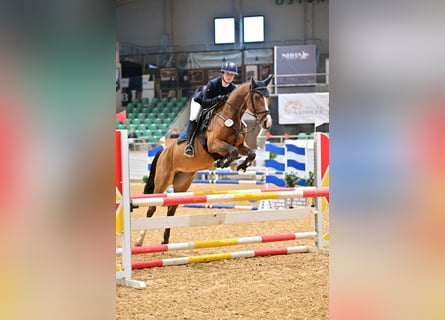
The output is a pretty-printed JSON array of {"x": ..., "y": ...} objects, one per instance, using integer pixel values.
[
  {"x": 291, "y": 180},
  {"x": 310, "y": 183}
]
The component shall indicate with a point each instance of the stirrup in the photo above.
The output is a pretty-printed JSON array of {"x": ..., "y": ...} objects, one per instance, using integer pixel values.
[{"x": 188, "y": 151}]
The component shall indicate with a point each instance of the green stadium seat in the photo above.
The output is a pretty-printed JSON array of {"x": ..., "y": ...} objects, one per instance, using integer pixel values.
[
  {"x": 147, "y": 133},
  {"x": 131, "y": 116},
  {"x": 153, "y": 127},
  {"x": 130, "y": 107},
  {"x": 151, "y": 115},
  {"x": 139, "y": 107},
  {"x": 302, "y": 135},
  {"x": 141, "y": 127}
]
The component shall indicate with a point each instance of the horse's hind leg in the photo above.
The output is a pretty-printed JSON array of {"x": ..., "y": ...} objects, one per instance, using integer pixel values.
[
  {"x": 139, "y": 240},
  {"x": 162, "y": 180},
  {"x": 181, "y": 183},
  {"x": 170, "y": 212}
]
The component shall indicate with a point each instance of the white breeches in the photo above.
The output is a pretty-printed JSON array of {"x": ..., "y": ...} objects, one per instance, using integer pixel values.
[{"x": 195, "y": 108}]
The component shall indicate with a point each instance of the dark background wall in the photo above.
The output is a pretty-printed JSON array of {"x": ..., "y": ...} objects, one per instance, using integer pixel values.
[{"x": 188, "y": 24}]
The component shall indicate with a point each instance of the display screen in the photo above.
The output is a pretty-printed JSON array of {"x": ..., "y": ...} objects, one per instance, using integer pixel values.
[
  {"x": 253, "y": 29},
  {"x": 224, "y": 30}
]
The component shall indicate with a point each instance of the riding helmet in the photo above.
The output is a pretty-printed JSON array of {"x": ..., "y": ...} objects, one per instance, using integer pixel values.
[{"x": 229, "y": 67}]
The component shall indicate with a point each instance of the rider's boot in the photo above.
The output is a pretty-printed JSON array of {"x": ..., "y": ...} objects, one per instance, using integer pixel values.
[{"x": 188, "y": 150}]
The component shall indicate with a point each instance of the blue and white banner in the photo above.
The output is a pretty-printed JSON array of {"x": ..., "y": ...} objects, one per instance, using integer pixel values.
[
  {"x": 294, "y": 156},
  {"x": 151, "y": 154}
]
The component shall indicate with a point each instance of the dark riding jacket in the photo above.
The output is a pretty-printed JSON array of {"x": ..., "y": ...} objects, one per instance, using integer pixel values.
[{"x": 213, "y": 92}]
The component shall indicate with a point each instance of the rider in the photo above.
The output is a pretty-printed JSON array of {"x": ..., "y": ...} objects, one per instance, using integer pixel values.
[{"x": 216, "y": 90}]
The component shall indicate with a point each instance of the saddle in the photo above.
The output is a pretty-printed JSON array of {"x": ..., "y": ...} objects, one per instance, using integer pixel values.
[{"x": 205, "y": 116}]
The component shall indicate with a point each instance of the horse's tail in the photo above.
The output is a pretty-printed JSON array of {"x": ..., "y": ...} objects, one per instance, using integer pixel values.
[{"x": 150, "y": 184}]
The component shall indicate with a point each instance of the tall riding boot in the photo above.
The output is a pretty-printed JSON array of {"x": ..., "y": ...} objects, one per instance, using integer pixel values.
[{"x": 188, "y": 150}]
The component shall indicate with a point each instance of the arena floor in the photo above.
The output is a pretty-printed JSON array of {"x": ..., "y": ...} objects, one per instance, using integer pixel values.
[{"x": 276, "y": 287}]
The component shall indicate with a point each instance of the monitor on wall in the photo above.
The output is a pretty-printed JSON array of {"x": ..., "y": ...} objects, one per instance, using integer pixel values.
[
  {"x": 253, "y": 29},
  {"x": 224, "y": 30}
]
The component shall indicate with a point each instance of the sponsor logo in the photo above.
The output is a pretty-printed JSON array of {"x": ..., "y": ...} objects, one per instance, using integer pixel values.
[{"x": 295, "y": 55}]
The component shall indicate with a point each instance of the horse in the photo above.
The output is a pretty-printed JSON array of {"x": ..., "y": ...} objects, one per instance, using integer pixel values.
[{"x": 220, "y": 141}]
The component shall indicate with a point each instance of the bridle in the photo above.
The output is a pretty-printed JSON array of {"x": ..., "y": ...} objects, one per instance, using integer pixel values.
[{"x": 264, "y": 92}]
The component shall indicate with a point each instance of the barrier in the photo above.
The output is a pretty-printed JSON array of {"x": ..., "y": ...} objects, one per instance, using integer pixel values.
[
  {"x": 196, "y": 193},
  {"x": 219, "y": 243},
  {"x": 124, "y": 270},
  {"x": 218, "y": 219},
  {"x": 184, "y": 198},
  {"x": 231, "y": 173},
  {"x": 218, "y": 256},
  {"x": 222, "y": 181},
  {"x": 219, "y": 206},
  {"x": 212, "y": 198}
]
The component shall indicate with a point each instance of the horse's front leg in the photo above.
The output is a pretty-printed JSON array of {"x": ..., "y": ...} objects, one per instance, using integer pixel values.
[
  {"x": 244, "y": 150},
  {"x": 232, "y": 155},
  {"x": 222, "y": 147}
]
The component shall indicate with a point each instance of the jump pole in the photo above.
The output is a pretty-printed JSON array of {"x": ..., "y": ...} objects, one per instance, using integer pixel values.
[
  {"x": 220, "y": 218},
  {"x": 212, "y": 198},
  {"x": 219, "y": 242},
  {"x": 198, "y": 193},
  {"x": 222, "y": 181},
  {"x": 123, "y": 228},
  {"x": 218, "y": 206},
  {"x": 219, "y": 256}
]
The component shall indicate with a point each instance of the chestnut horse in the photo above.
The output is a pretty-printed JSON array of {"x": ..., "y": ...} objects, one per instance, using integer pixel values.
[{"x": 220, "y": 140}]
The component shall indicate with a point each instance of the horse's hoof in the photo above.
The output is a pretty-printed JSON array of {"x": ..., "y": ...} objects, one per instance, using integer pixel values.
[
  {"x": 138, "y": 243},
  {"x": 220, "y": 164}
]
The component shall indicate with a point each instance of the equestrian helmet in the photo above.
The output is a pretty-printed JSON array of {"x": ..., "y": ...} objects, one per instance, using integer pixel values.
[{"x": 229, "y": 67}]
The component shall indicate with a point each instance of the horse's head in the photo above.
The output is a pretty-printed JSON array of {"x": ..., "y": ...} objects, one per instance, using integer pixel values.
[{"x": 259, "y": 100}]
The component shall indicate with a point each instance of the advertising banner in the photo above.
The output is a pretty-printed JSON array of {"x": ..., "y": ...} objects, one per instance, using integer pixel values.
[
  {"x": 294, "y": 65},
  {"x": 301, "y": 108}
]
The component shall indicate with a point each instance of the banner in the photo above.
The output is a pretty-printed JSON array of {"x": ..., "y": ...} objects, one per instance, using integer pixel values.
[
  {"x": 294, "y": 65},
  {"x": 301, "y": 108}
]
